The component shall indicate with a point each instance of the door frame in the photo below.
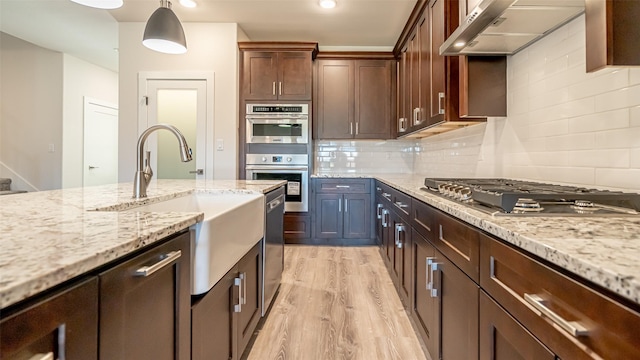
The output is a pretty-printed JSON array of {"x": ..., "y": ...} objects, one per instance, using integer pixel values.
[
  {"x": 208, "y": 77},
  {"x": 86, "y": 100}
]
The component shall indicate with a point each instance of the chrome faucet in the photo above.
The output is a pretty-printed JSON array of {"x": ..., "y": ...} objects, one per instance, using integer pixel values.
[{"x": 144, "y": 172}]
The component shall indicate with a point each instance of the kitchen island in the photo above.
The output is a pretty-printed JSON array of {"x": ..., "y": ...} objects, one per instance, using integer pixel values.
[{"x": 50, "y": 237}]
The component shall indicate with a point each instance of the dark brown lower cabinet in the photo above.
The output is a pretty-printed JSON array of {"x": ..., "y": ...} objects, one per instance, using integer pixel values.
[
  {"x": 400, "y": 234},
  {"x": 426, "y": 309},
  {"x": 503, "y": 338},
  {"x": 224, "y": 319},
  {"x": 343, "y": 216},
  {"x": 63, "y": 324},
  {"x": 458, "y": 296},
  {"x": 297, "y": 228},
  {"x": 145, "y": 305}
]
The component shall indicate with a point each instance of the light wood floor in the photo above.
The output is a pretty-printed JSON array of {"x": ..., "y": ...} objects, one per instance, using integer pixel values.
[{"x": 336, "y": 303}]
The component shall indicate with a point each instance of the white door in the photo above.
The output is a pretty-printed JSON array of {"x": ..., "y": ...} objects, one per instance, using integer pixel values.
[
  {"x": 183, "y": 104},
  {"x": 100, "y": 165}
]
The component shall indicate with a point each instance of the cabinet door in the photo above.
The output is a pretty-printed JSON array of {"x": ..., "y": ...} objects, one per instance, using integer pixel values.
[
  {"x": 328, "y": 216},
  {"x": 260, "y": 75},
  {"x": 458, "y": 297},
  {"x": 357, "y": 216},
  {"x": 294, "y": 75},
  {"x": 250, "y": 273},
  {"x": 426, "y": 307},
  {"x": 424, "y": 35},
  {"x": 404, "y": 79},
  {"x": 388, "y": 245},
  {"x": 297, "y": 228},
  {"x": 416, "y": 78},
  {"x": 214, "y": 327},
  {"x": 379, "y": 225},
  {"x": 372, "y": 99},
  {"x": 437, "y": 62},
  {"x": 503, "y": 338},
  {"x": 334, "y": 109},
  {"x": 395, "y": 253},
  {"x": 65, "y": 323},
  {"x": 405, "y": 279},
  {"x": 145, "y": 305}
]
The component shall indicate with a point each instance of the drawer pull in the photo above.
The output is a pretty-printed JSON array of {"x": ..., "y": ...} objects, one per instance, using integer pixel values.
[
  {"x": 386, "y": 195},
  {"x": 429, "y": 261},
  {"x": 399, "y": 229},
  {"x": 401, "y": 205},
  {"x": 238, "y": 282},
  {"x": 378, "y": 188},
  {"x": 343, "y": 186},
  {"x": 434, "y": 268},
  {"x": 164, "y": 261},
  {"x": 385, "y": 218},
  {"x": 379, "y": 211},
  {"x": 572, "y": 327}
]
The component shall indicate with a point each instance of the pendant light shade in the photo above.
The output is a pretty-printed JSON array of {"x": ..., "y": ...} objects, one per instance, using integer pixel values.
[
  {"x": 164, "y": 32},
  {"x": 100, "y": 4}
]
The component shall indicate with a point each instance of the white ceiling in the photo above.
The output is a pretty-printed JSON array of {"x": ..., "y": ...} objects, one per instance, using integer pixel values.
[{"x": 91, "y": 34}]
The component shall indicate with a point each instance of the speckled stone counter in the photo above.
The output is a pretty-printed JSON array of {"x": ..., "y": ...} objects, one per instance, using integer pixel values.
[
  {"x": 49, "y": 237},
  {"x": 605, "y": 251}
]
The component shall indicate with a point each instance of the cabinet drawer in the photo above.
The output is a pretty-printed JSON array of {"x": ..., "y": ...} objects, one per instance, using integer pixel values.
[
  {"x": 458, "y": 242},
  {"x": 385, "y": 192},
  {"x": 401, "y": 204},
  {"x": 556, "y": 308},
  {"x": 343, "y": 186},
  {"x": 422, "y": 218}
]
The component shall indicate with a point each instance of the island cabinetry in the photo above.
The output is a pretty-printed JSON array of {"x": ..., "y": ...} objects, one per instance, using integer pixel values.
[
  {"x": 276, "y": 71},
  {"x": 224, "y": 319},
  {"x": 145, "y": 305},
  {"x": 571, "y": 319},
  {"x": 62, "y": 324},
  {"x": 343, "y": 210},
  {"x": 354, "y": 97}
]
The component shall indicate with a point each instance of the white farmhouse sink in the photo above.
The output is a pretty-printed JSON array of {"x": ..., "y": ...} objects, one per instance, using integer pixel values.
[{"x": 232, "y": 225}]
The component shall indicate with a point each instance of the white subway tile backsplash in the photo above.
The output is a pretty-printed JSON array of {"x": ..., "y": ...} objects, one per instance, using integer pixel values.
[
  {"x": 618, "y": 139},
  {"x": 363, "y": 156},
  {"x": 622, "y": 98},
  {"x": 615, "y": 119},
  {"x": 614, "y": 158},
  {"x": 618, "y": 178},
  {"x": 634, "y": 158},
  {"x": 608, "y": 81},
  {"x": 634, "y": 116},
  {"x": 583, "y": 141}
]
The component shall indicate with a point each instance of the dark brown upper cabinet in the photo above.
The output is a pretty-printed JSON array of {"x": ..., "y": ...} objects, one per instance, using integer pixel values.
[
  {"x": 276, "y": 71},
  {"x": 354, "y": 96},
  {"x": 440, "y": 93},
  {"x": 612, "y": 33}
]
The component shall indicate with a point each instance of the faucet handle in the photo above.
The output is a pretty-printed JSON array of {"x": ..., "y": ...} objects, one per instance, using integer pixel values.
[{"x": 148, "y": 172}]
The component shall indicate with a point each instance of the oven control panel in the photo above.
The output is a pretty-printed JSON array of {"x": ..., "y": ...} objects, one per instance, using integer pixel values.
[{"x": 277, "y": 159}]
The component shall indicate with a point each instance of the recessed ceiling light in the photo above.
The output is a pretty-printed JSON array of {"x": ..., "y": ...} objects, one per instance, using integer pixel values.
[
  {"x": 328, "y": 4},
  {"x": 188, "y": 3},
  {"x": 100, "y": 4}
]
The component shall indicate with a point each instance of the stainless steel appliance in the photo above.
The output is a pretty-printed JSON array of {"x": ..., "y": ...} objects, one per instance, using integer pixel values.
[
  {"x": 272, "y": 247},
  {"x": 293, "y": 168},
  {"x": 277, "y": 123},
  {"x": 528, "y": 198}
]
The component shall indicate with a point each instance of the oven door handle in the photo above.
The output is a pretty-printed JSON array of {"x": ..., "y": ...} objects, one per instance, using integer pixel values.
[{"x": 267, "y": 168}]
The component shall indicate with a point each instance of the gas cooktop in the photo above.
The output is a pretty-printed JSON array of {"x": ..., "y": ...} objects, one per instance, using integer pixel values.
[{"x": 527, "y": 198}]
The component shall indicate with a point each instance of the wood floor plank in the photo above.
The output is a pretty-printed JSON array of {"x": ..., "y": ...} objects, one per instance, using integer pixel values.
[{"x": 336, "y": 303}]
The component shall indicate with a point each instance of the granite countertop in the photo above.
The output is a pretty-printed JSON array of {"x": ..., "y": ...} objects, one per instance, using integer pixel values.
[
  {"x": 49, "y": 237},
  {"x": 605, "y": 251}
]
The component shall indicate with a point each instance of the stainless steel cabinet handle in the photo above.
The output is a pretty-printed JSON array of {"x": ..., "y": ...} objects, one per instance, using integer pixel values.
[
  {"x": 197, "y": 171},
  {"x": 165, "y": 260},
  {"x": 351, "y": 128},
  {"x": 280, "y": 88},
  {"x": 440, "y": 235},
  {"x": 416, "y": 115},
  {"x": 243, "y": 279},
  {"x": 401, "y": 205},
  {"x": 379, "y": 211},
  {"x": 378, "y": 188},
  {"x": 572, "y": 327},
  {"x": 429, "y": 261},
  {"x": 385, "y": 219},
  {"x": 343, "y": 186},
  {"x": 440, "y": 101},
  {"x": 346, "y": 205},
  {"x": 273, "y": 89},
  {"x": 357, "y": 130},
  {"x": 399, "y": 228},
  {"x": 339, "y": 205},
  {"x": 274, "y": 203},
  {"x": 434, "y": 290},
  {"x": 238, "y": 307},
  {"x": 386, "y": 196}
]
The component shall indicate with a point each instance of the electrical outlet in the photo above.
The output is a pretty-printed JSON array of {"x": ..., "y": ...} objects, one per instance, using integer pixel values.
[{"x": 52, "y": 148}]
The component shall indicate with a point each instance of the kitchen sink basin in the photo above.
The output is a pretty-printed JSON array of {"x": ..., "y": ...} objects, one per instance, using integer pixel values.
[{"x": 232, "y": 225}]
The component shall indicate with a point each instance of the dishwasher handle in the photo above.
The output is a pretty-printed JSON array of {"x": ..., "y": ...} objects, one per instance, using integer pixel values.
[{"x": 275, "y": 203}]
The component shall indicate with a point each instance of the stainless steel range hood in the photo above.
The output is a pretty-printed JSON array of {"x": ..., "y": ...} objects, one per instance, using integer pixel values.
[{"x": 507, "y": 26}]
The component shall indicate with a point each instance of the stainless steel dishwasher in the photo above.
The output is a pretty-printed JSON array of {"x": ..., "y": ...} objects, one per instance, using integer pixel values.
[{"x": 273, "y": 246}]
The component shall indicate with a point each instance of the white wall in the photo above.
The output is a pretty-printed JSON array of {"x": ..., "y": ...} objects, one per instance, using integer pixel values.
[
  {"x": 211, "y": 47},
  {"x": 81, "y": 79},
  {"x": 563, "y": 125},
  {"x": 31, "y": 114}
]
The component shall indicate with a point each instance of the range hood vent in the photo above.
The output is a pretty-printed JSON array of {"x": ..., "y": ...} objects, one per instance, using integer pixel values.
[{"x": 504, "y": 27}]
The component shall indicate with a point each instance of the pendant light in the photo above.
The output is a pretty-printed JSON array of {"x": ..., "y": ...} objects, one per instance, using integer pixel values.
[
  {"x": 164, "y": 32},
  {"x": 100, "y": 4}
]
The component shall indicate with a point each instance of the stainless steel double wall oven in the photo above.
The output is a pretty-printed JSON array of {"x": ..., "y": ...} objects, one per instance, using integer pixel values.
[{"x": 277, "y": 148}]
